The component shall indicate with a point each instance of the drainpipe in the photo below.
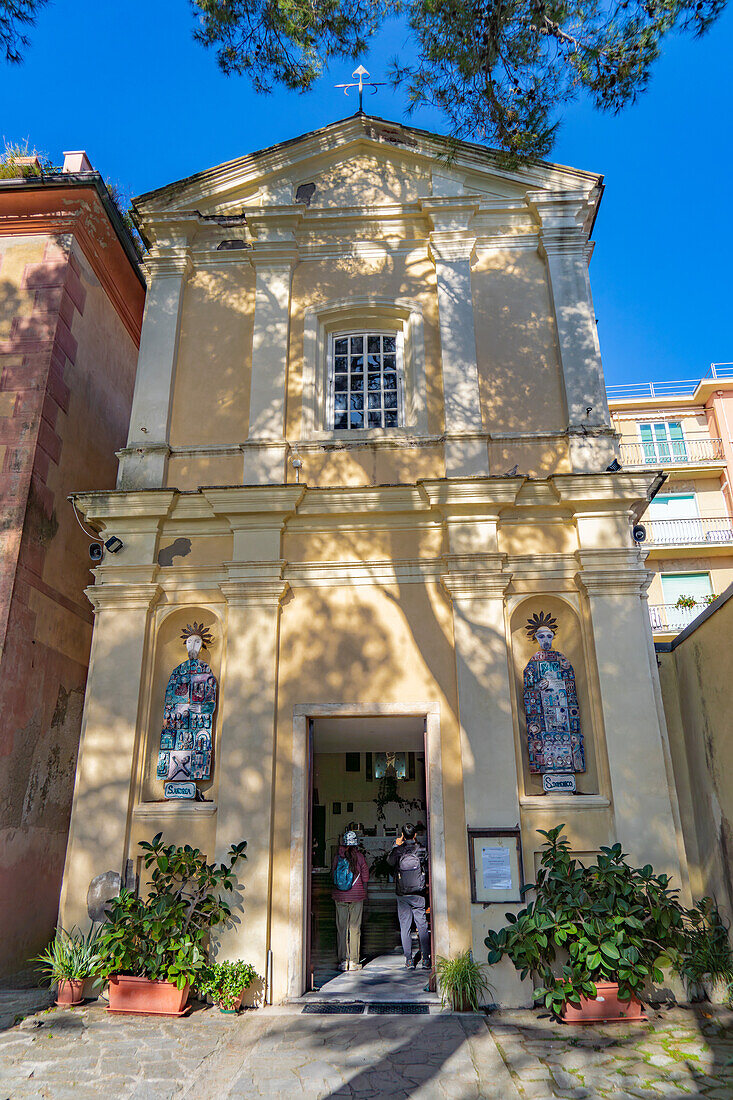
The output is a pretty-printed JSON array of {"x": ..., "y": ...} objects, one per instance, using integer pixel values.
[{"x": 268, "y": 978}]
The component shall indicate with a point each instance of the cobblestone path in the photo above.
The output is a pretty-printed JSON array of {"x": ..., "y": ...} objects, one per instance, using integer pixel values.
[{"x": 279, "y": 1053}]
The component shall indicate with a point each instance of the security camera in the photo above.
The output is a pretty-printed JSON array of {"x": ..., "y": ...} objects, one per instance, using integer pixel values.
[
  {"x": 96, "y": 551},
  {"x": 638, "y": 532},
  {"x": 614, "y": 467},
  {"x": 113, "y": 544}
]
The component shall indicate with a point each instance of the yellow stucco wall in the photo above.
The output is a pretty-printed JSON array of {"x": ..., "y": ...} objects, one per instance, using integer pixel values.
[{"x": 695, "y": 679}]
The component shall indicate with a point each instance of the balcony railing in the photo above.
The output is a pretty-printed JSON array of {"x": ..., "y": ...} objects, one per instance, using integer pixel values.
[
  {"x": 669, "y": 618},
  {"x": 687, "y": 452},
  {"x": 712, "y": 530},
  {"x": 684, "y": 388}
]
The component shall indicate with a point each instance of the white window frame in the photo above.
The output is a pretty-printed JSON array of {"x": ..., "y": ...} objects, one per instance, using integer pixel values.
[
  {"x": 365, "y": 333},
  {"x": 363, "y": 314}
]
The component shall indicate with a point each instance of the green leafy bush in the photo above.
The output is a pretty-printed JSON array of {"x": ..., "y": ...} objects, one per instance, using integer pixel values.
[
  {"x": 225, "y": 981},
  {"x": 607, "y": 922},
  {"x": 165, "y": 935},
  {"x": 462, "y": 982},
  {"x": 70, "y": 956}
]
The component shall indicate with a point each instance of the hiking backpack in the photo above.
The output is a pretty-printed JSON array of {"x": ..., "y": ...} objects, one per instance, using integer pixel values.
[{"x": 343, "y": 876}]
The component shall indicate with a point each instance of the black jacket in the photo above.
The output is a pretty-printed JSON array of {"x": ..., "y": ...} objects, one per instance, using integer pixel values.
[{"x": 408, "y": 879}]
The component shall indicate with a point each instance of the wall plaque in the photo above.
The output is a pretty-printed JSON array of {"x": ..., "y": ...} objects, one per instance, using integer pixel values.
[
  {"x": 179, "y": 790},
  {"x": 495, "y": 861},
  {"x": 562, "y": 782}
]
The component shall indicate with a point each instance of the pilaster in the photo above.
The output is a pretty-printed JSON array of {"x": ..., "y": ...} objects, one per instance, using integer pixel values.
[
  {"x": 98, "y": 836},
  {"x": 265, "y": 451},
  {"x": 489, "y": 764},
  {"x": 451, "y": 248},
  {"x": 247, "y": 740},
  {"x": 636, "y": 735},
  {"x": 143, "y": 462},
  {"x": 564, "y": 246}
]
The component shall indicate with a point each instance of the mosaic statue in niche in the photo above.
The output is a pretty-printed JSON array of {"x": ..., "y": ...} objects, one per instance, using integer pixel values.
[
  {"x": 186, "y": 739},
  {"x": 551, "y": 704}
]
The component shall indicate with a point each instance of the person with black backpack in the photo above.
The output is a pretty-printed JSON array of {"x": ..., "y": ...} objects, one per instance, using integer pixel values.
[{"x": 409, "y": 860}]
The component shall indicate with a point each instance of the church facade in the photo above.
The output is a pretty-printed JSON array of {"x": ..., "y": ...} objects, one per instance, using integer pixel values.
[{"x": 367, "y": 471}]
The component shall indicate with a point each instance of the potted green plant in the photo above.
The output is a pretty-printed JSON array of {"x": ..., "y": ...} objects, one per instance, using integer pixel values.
[
  {"x": 225, "y": 983},
  {"x": 594, "y": 935},
  {"x": 707, "y": 960},
  {"x": 68, "y": 961},
  {"x": 155, "y": 947},
  {"x": 462, "y": 982}
]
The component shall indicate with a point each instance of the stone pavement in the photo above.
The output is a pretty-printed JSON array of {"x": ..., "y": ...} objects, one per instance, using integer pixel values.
[{"x": 280, "y": 1053}]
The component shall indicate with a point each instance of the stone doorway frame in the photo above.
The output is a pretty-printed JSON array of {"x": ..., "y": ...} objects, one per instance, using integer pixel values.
[{"x": 298, "y": 914}]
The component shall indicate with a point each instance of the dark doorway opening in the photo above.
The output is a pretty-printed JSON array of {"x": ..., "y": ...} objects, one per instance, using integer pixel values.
[{"x": 367, "y": 774}]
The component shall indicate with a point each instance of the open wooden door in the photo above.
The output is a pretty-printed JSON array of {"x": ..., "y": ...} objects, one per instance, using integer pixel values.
[
  {"x": 430, "y": 856},
  {"x": 309, "y": 864}
]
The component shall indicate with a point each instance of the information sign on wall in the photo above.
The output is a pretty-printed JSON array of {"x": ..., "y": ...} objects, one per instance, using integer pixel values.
[{"x": 495, "y": 860}]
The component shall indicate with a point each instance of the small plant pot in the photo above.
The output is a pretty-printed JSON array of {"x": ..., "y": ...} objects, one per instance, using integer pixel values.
[
  {"x": 144, "y": 997},
  {"x": 70, "y": 992},
  {"x": 603, "y": 1008},
  {"x": 235, "y": 1007}
]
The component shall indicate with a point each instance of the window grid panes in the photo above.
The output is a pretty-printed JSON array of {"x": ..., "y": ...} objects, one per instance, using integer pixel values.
[{"x": 366, "y": 390}]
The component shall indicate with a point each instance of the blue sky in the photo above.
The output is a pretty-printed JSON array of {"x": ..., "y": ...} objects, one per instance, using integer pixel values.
[{"x": 149, "y": 105}]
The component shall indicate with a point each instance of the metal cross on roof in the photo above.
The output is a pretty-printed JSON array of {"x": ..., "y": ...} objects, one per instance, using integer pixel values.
[{"x": 361, "y": 85}]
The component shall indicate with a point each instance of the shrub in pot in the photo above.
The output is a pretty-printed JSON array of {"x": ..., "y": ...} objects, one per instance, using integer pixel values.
[
  {"x": 156, "y": 947},
  {"x": 68, "y": 961},
  {"x": 608, "y": 924},
  {"x": 462, "y": 982},
  {"x": 225, "y": 983}
]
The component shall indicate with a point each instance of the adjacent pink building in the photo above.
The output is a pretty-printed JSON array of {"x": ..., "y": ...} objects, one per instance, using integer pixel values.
[{"x": 71, "y": 303}]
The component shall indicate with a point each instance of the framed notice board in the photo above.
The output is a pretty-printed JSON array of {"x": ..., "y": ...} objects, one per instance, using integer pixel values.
[{"x": 495, "y": 862}]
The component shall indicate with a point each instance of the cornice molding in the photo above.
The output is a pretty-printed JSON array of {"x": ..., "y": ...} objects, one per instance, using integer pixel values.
[
  {"x": 275, "y": 501},
  {"x": 487, "y": 494},
  {"x": 360, "y": 573}
]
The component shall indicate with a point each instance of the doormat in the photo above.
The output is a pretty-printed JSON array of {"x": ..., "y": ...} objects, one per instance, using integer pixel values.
[
  {"x": 397, "y": 1008},
  {"x": 327, "y": 1008}
]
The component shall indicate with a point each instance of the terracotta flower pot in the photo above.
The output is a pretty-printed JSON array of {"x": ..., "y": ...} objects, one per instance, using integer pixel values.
[
  {"x": 603, "y": 1008},
  {"x": 144, "y": 997},
  {"x": 235, "y": 1006},
  {"x": 70, "y": 992}
]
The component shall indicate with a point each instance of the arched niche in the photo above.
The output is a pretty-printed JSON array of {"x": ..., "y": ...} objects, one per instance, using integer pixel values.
[
  {"x": 568, "y": 641},
  {"x": 170, "y": 651}
]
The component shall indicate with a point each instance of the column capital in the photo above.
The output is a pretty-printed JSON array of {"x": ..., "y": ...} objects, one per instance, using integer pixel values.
[
  {"x": 475, "y": 576},
  {"x": 563, "y": 242},
  {"x": 168, "y": 263},
  {"x": 451, "y": 246},
  {"x": 255, "y": 592},
  {"x": 133, "y": 597},
  {"x": 607, "y": 581}
]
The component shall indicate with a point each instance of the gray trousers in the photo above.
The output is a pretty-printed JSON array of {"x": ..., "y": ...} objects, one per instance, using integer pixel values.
[{"x": 412, "y": 907}]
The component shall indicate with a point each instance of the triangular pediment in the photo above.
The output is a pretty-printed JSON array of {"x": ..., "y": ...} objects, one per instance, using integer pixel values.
[{"x": 358, "y": 162}]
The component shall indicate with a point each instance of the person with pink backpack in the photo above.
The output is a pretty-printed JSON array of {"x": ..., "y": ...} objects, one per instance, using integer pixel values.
[{"x": 350, "y": 873}]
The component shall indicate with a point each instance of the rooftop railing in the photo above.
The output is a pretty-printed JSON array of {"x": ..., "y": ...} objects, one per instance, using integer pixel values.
[
  {"x": 710, "y": 530},
  {"x": 682, "y": 388},
  {"x": 687, "y": 452}
]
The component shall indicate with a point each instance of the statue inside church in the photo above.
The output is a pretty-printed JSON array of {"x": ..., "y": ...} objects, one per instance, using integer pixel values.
[
  {"x": 551, "y": 704},
  {"x": 186, "y": 739}
]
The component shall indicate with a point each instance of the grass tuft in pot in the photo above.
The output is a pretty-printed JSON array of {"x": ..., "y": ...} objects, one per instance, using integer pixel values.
[
  {"x": 607, "y": 922},
  {"x": 462, "y": 982},
  {"x": 70, "y": 957},
  {"x": 707, "y": 959},
  {"x": 225, "y": 982}
]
